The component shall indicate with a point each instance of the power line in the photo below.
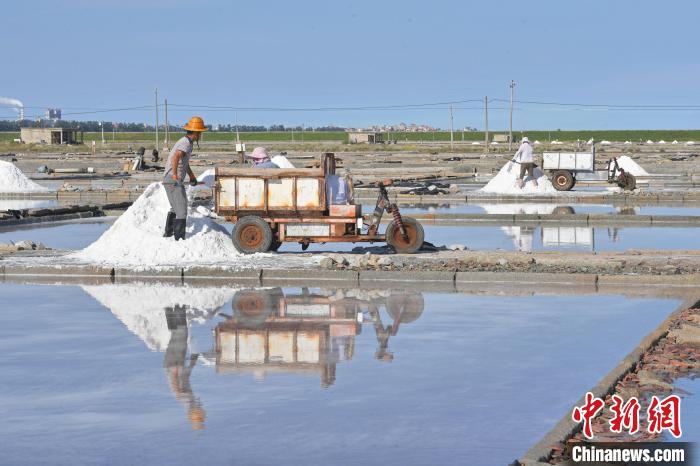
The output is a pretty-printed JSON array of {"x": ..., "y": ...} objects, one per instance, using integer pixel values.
[
  {"x": 322, "y": 109},
  {"x": 610, "y": 106}
]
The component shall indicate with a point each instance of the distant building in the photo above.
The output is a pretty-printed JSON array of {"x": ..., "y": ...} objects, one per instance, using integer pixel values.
[
  {"x": 501, "y": 138},
  {"x": 365, "y": 137},
  {"x": 53, "y": 114},
  {"x": 51, "y": 136}
]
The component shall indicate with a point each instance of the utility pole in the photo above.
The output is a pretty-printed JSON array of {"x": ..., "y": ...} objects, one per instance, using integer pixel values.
[
  {"x": 156, "y": 118},
  {"x": 486, "y": 123},
  {"x": 238, "y": 137},
  {"x": 452, "y": 136},
  {"x": 102, "y": 128},
  {"x": 113, "y": 131},
  {"x": 510, "y": 125},
  {"x": 167, "y": 126}
]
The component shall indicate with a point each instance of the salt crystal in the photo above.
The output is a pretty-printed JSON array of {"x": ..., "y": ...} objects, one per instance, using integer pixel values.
[
  {"x": 630, "y": 166},
  {"x": 12, "y": 180},
  {"x": 505, "y": 182}
]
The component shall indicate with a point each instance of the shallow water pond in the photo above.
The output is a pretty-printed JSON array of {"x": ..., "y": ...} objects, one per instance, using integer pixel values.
[
  {"x": 143, "y": 373},
  {"x": 65, "y": 235},
  {"x": 19, "y": 204}
]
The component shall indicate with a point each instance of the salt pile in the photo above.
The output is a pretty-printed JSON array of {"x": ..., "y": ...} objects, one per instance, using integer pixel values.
[
  {"x": 505, "y": 182},
  {"x": 136, "y": 238},
  {"x": 281, "y": 161},
  {"x": 630, "y": 166},
  {"x": 12, "y": 180},
  {"x": 141, "y": 307}
]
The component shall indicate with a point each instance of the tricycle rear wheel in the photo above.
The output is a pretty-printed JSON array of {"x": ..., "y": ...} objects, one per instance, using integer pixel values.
[
  {"x": 252, "y": 234},
  {"x": 414, "y": 232},
  {"x": 563, "y": 180}
]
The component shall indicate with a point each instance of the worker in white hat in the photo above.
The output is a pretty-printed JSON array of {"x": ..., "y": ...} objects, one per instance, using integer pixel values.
[{"x": 525, "y": 157}]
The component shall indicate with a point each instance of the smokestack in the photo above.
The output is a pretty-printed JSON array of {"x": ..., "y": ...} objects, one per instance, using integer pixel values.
[{"x": 16, "y": 104}]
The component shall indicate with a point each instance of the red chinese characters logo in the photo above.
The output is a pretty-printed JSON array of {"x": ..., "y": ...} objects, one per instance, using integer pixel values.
[
  {"x": 665, "y": 415},
  {"x": 587, "y": 412},
  {"x": 625, "y": 416},
  {"x": 661, "y": 415}
]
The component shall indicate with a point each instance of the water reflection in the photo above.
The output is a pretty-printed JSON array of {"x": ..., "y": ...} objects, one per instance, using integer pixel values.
[
  {"x": 270, "y": 331},
  {"x": 267, "y": 330},
  {"x": 178, "y": 369}
]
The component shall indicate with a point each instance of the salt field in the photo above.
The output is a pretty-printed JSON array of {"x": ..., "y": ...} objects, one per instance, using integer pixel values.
[
  {"x": 431, "y": 378},
  {"x": 81, "y": 234}
]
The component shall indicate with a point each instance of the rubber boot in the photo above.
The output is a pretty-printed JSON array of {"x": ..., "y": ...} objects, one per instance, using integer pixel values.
[
  {"x": 179, "y": 226},
  {"x": 169, "y": 230}
]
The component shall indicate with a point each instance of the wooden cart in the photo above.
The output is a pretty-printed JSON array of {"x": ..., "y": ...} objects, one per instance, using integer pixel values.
[{"x": 272, "y": 206}]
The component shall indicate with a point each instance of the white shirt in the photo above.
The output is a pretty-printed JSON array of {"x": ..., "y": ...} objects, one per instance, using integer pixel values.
[{"x": 524, "y": 154}]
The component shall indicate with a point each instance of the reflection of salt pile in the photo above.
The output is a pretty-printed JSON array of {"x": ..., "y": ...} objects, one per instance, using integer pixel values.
[
  {"x": 631, "y": 166},
  {"x": 522, "y": 237},
  {"x": 141, "y": 307},
  {"x": 136, "y": 238},
  {"x": 511, "y": 209},
  {"x": 12, "y": 180},
  {"x": 505, "y": 182}
]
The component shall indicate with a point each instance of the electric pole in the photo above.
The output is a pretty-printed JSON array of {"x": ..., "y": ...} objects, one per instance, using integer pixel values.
[
  {"x": 510, "y": 125},
  {"x": 452, "y": 138},
  {"x": 167, "y": 126},
  {"x": 156, "y": 118},
  {"x": 486, "y": 123}
]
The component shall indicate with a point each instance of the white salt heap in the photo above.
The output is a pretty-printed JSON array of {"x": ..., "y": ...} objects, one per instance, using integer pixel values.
[
  {"x": 631, "y": 166},
  {"x": 136, "y": 238},
  {"x": 505, "y": 182},
  {"x": 12, "y": 180}
]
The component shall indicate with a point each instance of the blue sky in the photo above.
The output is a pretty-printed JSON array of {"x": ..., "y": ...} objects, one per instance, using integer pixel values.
[{"x": 313, "y": 54}]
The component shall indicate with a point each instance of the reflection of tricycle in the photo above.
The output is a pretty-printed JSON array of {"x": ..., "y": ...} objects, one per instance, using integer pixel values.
[
  {"x": 269, "y": 331},
  {"x": 566, "y": 168},
  {"x": 272, "y": 206}
]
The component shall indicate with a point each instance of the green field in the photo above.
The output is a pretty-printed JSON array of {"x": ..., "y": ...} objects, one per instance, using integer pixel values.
[{"x": 438, "y": 136}]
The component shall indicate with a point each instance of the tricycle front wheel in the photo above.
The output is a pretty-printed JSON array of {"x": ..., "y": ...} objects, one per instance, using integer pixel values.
[{"x": 414, "y": 236}]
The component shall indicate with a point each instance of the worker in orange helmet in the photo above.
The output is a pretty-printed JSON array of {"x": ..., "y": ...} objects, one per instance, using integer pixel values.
[{"x": 176, "y": 167}]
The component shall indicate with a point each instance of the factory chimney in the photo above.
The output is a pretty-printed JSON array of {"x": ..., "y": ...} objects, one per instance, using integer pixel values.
[{"x": 16, "y": 104}]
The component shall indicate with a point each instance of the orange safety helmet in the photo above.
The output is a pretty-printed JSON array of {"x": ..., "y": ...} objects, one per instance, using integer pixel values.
[{"x": 196, "y": 124}]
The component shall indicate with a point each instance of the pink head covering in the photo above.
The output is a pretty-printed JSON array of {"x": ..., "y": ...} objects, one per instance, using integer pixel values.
[{"x": 259, "y": 153}]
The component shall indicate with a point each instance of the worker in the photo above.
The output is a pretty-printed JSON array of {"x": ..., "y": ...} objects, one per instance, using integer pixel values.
[
  {"x": 176, "y": 167},
  {"x": 261, "y": 159},
  {"x": 526, "y": 160}
]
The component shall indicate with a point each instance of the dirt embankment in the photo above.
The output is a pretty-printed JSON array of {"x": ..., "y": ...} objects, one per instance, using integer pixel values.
[{"x": 628, "y": 262}]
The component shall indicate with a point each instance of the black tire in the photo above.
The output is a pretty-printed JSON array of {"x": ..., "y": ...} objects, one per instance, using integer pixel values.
[
  {"x": 563, "y": 180},
  {"x": 405, "y": 308},
  {"x": 414, "y": 231},
  {"x": 252, "y": 234},
  {"x": 628, "y": 182},
  {"x": 251, "y": 308},
  {"x": 563, "y": 210}
]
